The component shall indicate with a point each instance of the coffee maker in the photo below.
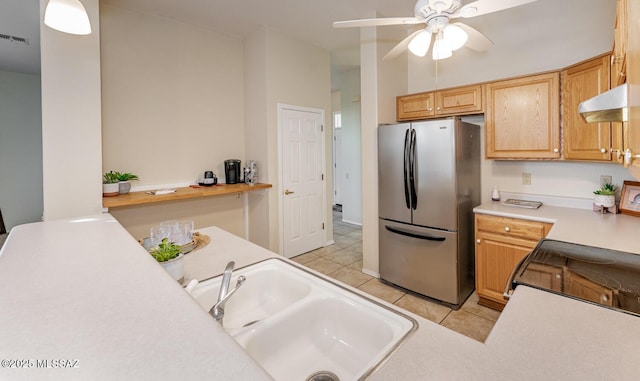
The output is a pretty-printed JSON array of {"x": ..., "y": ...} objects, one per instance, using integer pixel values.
[{"x": 232, "y": 171}]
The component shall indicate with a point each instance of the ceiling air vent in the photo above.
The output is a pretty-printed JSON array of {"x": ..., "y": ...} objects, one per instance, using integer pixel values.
[{"x": 18, "y": 40}]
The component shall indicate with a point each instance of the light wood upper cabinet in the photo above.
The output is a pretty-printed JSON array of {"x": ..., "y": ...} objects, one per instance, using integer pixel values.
[
  {"x": 501, "y": 243},
  {"x": 632, "y": 127},
  {"x": 582, "y": 140},
  {"x": 459, "y": 100},
  {"x": 414, "y": 107},
  {"x": 619, "y": 53},
  {"x": 454, "y": 101},
  {"x": 522, "y": 118}
]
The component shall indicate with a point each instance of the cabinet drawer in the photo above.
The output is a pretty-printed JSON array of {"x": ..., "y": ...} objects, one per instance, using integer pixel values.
[{"x": 512, "y": 227}]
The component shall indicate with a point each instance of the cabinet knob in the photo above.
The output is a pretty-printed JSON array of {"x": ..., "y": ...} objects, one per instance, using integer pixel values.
[
  {"x": 478, "y": 240},
  {"x": 507, "y": 229},
  {"x": 555, "y": 150},
  {"x": 605, "y": 298},
  {"x": 603, "y": 150},
  {"x": 430, "y": 108},
  {"x": 438, "y": 108},
  {"x": 558, "y": 276}
]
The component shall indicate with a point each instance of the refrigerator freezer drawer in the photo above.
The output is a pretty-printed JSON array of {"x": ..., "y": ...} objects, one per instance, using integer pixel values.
[{"x": 420, "y": 259}]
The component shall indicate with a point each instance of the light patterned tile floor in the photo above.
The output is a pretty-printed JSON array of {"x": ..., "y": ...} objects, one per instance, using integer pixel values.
[{"x": 343, "y": 261}]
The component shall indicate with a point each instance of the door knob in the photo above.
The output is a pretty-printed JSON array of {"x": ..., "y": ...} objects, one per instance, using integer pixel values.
[{"x": 287, "y": 192}]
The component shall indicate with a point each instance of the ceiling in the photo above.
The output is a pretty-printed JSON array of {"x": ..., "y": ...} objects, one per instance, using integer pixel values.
[
  {"x": 309, "y": 20},
  {"x": 20, "y": 18}
]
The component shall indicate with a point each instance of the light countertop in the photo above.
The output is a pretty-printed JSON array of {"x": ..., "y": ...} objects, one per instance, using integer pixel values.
[
  {"x": 583, "y": 226},
  {"x": 86, "y": 290}
]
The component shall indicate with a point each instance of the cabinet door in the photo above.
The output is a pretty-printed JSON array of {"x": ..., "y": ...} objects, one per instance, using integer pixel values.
[
  {"x": 619, "y": 53},
  {"x": 460, "y": 100},
  {"x": 496, "y": 257},
  {"x": 522, "y": 118},
  {"x": 414, "y": 107},
  {"x": 582, "y": 140},
  {"x": 632, "y": 135}
]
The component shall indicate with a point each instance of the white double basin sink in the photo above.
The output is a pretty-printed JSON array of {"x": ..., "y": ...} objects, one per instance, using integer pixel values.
[{"x": 298, "y": 326}]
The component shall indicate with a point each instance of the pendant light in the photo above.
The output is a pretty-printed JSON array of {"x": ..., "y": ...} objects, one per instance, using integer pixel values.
[{"x": 68, "y": 16}]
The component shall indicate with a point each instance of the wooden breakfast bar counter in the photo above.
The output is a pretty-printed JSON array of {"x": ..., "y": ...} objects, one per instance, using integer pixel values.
[{"x": 139, "y": 198}]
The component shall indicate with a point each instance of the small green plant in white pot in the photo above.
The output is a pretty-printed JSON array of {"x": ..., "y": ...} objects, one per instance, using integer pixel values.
[
  {"x": 125, "y": 179},
  {"x": 110, "y": 184},
  {"x": 605, "y": 196},
  {"x": 169, "y": 255}
]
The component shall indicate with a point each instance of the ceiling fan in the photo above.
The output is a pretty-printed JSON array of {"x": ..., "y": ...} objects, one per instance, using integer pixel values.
[{"x": 437, "y": 14}]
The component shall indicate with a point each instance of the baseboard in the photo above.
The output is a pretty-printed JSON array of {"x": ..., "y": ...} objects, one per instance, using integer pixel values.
[{"x": 371, "y": 273}]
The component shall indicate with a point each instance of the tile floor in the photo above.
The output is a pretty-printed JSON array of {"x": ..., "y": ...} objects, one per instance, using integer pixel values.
[{"x": 343, "y": 261}]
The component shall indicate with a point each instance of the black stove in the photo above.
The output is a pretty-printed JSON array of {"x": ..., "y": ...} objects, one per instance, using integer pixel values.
[{"x": 609, "y": 278}]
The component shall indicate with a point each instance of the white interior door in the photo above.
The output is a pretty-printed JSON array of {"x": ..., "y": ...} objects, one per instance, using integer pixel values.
[{"x": 302, "y": 148}]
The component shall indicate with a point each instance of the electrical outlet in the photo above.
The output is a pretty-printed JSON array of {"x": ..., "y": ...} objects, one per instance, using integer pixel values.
[
  {"x": 605, "y": 180},
  {"x": 526, "y": 178}
]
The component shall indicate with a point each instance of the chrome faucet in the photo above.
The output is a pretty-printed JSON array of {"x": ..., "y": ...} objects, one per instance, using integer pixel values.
[{"x": 217, "y": 311}]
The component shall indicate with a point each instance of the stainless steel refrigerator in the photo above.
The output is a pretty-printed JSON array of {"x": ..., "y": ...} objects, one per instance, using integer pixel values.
[{"x": 429, "y": 183}]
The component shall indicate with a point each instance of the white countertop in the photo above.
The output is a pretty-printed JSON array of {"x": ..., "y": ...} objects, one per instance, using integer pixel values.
[
  {"x": 611, "y": 231},
  {"x": 87, "y": 291}
]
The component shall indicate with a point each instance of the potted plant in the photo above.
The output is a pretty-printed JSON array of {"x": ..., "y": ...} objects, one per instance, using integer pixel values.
[
  {"x": 605, "y": 196},
  {"x": 110, "y": 184},
  {"x": 169, "y": 255},
  {"x": 125, "y": 179}
]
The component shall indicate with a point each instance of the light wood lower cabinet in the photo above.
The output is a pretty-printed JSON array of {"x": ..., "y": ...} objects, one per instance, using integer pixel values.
[{"x": 500, "y": 244}]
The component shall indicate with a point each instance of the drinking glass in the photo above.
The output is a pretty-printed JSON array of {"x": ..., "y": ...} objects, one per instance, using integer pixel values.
[
  {"x": 157, "y": 233},
  {"x": 186, "y": 228}
]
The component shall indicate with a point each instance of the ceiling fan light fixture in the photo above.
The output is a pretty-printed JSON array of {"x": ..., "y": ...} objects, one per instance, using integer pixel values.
[
  {"x": 455, "y": 36},
  {"x": 441, "y": 48},
  {"x": 68, "y": 16},
  {"x": 419, "y": 45}
]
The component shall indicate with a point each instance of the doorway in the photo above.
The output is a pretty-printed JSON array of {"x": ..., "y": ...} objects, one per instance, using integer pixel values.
[
  {"x": 302, "y": 168},
  {"x": 337, "y": 161}
]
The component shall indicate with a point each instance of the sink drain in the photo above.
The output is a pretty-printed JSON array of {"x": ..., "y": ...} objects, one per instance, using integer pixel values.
[{"x": 323, "y": 375}]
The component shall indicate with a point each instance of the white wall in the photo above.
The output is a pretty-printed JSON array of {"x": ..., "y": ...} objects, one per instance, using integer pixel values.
[
  {"x": 172, "y": 98},
  {"x": 20, "y": 148},
  {"x": 173, "y": 107},
  {"x": 351, "y": 148},
  {"x": 519, "y": 51},
  {"x": 285, "y": 71},
  {"x": 71, "y": 126},
  {"x": 369, "y": 124}
]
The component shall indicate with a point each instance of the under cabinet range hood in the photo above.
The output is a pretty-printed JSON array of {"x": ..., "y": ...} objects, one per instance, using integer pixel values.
[{"x": 610, "y": 106}]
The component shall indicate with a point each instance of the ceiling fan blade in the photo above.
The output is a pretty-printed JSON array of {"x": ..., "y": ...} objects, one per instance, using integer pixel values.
[
  {"x": 477, "y": 41},
  {"x": 377, "y": 22},
  {"x": 482, "y": 7},
  {"x": 401, "y": 47}
]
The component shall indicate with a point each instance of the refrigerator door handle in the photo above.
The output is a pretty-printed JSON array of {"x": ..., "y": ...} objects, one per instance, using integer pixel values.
[
  {"x": 407, "y": 138},
  {"x": 412, "y": 172},
  {"x": 411, "y": 234}
]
